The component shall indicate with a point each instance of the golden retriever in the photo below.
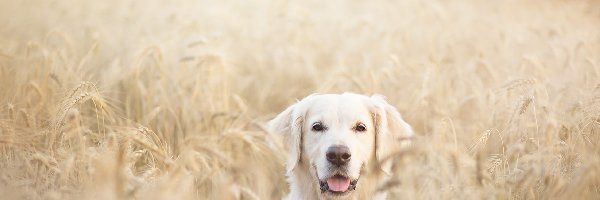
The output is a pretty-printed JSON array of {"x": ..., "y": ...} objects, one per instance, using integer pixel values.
[{"x": 333, "y": 138}]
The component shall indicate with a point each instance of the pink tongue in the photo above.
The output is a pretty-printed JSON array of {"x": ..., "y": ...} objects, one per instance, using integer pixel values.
[{"x": 338, "y": 184}]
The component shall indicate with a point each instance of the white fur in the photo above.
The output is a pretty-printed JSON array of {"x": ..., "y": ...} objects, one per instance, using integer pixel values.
[{"x": 386, "y": 134}]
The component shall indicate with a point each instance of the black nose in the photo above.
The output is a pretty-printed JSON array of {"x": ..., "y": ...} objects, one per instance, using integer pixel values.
[{"x": 338, "y": 154}]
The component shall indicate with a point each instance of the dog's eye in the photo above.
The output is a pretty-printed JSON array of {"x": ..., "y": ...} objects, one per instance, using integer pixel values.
[
  {"x": 318, "y": 126},
  {"x": 360, "y": 127}
]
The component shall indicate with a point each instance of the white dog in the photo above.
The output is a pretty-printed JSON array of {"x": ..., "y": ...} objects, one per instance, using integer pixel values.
[{"x": 333, "y": 138}]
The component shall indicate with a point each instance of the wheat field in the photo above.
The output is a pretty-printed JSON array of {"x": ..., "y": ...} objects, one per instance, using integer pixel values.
[{"x": 123, "y": 99}]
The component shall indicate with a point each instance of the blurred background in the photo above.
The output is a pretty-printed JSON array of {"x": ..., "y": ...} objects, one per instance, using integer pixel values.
[{"x": 168, "y": 99}]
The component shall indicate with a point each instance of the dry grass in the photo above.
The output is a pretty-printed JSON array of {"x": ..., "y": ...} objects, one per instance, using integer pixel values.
[{"x": 168, "y": 99}]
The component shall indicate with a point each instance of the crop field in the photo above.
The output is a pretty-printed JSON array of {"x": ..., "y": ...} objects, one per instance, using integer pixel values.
[{"x": 153, "y": 99}]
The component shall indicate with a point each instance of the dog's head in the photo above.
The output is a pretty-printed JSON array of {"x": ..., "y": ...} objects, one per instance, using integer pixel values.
[{"x": 336, "y": 136}]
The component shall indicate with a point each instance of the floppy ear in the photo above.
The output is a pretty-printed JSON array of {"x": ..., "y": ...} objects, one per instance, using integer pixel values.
[
  {"x": 392, "y": 133},
  {"x": 289, "y": 124}
]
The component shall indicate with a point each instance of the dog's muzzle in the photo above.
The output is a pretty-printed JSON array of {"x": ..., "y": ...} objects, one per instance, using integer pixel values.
[{"x": 338, "y": 184}]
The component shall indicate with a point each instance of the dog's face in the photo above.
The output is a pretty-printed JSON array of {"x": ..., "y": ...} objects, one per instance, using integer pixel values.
[
  {"x": 336, "y": 136},
  {"x": 338, "y": 141}
]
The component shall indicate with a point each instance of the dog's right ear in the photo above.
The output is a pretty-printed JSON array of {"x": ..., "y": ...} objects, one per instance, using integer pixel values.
[
  {"x": 392, "y": 133},
  {"x": 289, "y": 123}
]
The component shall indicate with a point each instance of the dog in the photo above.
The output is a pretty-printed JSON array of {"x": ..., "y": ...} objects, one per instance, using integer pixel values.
[{"x": 334, "y": 139}]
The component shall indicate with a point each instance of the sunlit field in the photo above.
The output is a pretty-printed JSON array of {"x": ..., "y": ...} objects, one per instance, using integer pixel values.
[{"x": 122, "y": 99}]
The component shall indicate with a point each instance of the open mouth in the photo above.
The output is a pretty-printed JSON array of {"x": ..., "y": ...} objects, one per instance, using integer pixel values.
[{"x": 338, "y": 184}]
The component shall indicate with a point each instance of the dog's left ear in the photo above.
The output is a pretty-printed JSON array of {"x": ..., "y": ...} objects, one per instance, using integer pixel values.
[
  {"x": 289, "y": 124},
  {"x": 392, "y": 133}
]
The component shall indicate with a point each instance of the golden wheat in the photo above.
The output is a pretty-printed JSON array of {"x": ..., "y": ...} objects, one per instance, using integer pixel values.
[{"x": 168, "y": 100}]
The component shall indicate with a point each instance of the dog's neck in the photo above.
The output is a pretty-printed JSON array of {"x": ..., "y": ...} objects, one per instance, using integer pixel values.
[{"x": 304, "y": 186}]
